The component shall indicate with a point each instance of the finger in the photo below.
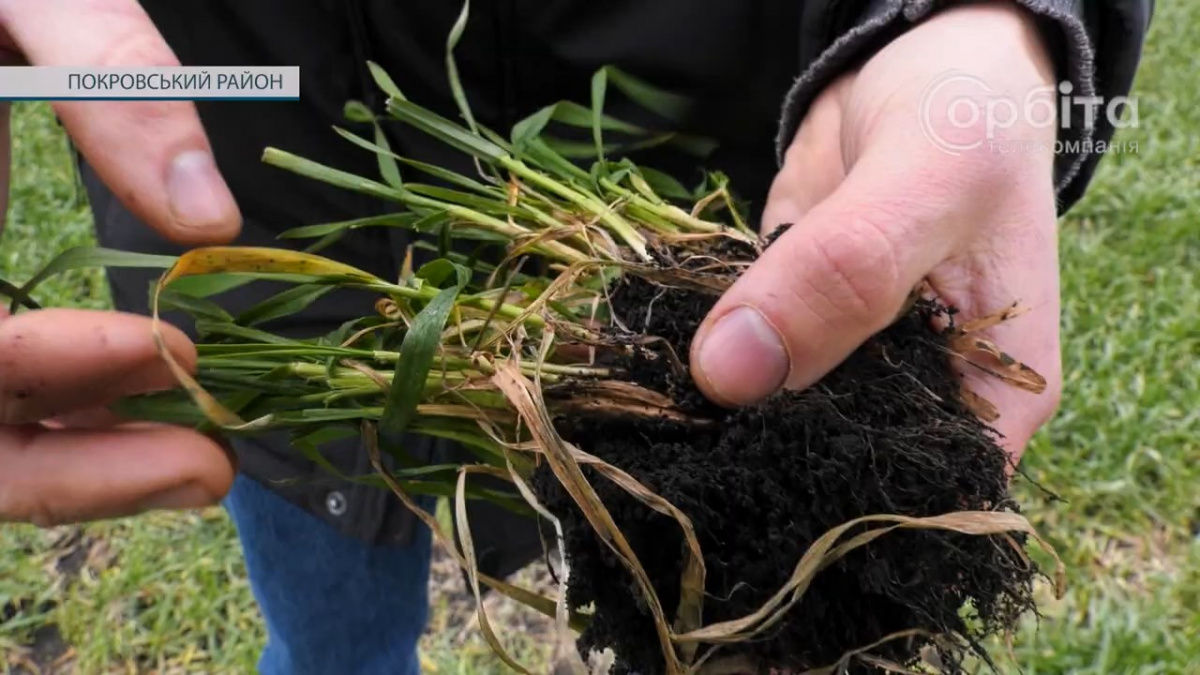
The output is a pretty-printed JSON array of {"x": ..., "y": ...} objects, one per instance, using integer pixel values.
[
  {"x": 58, "y": 361},
  {"x": 813, "y": 166},
  {"x": 153, "y": 154},
  {"x": 1020, "y": 267},
  {"x": 838, "y": 276},
  {"x": 55, "y": 477},
  {"x": 90, "y": 418}
]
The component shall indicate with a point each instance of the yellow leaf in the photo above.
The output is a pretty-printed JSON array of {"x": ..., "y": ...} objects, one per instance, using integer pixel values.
[{"x": 260, "y": 260}]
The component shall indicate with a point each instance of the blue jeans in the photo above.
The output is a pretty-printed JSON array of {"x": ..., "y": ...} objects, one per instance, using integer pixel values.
[{"x": 331, "y": 604}]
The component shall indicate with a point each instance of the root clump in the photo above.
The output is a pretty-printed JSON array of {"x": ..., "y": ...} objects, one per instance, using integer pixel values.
[{"x": 884, "y": 433}]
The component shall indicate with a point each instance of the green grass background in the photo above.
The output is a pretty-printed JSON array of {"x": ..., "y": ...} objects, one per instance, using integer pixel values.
[{"x": 169, "y": 592}]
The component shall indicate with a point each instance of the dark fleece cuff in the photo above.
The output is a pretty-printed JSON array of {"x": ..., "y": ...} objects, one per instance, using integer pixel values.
[{"x": 1063, "y": 24}]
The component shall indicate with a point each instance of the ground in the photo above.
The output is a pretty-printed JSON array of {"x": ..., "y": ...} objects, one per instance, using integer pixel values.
[{"x": 167, "y": 593}]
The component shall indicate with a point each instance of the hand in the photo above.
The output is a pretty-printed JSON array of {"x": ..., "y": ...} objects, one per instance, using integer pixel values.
[
  {"x": 877, "y": 206},
  {"x": 63, "y": 457},
  {"x": 153, "y": 154}
]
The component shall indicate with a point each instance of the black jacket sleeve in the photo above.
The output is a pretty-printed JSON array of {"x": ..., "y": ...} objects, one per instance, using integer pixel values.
[{"x": 1097, "y": 45}]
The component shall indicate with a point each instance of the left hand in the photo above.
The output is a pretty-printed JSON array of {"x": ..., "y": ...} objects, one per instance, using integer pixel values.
[{"x": 877, "y": 206}]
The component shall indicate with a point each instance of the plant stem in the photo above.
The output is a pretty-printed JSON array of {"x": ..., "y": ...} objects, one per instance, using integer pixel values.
[{"x": 621, "y": 227}]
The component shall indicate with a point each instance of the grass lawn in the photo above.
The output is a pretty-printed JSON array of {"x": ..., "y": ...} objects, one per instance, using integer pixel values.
[{"x": 167, "y": 592}]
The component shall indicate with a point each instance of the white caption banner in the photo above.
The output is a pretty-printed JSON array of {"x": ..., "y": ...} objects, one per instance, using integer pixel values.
[{"x": 63, "y": 83}]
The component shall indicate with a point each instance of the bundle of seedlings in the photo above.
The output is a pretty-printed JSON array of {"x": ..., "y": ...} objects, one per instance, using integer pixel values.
[{"x": 861, "y": 525}]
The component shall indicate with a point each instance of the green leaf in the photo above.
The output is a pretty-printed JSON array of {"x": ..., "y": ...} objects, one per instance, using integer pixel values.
[
  {"x": 431, "y": 223},
  {"x": 575, "y": 149},
  {"x": 548, "y": 158},
  {"x": 348, "y": 181},
  {"x": 444, "y": 130},
  {"x": 599, "y": 87},
  {"x": 82, "y": 257},
  {"x": 575, "y": 115},
  {"x": 283, "y": 304},
  {"x": 388, "y": 168},
  {"x": 664, "y": 184},
  {"x": 496, "y": 139},
  {"x": 325, "y": 242},
  {"x": 199, "y": 308},
  {"x": 531, "y": 127},
  {"x": 571, "y": 114},
  {"x": 384, "y": 81},
  {"x": 329, "y": 434},
  {"x": 417, "y": 352},
  {"x": 243, "y": 332},
  {"x": 436, "y": 272},
  {"x": 387, "y": 160},
  {"x": 667, "y": 104},
  {"x": 492, "y": 205},
  {"x": 468, "y": 435},
  {"x": 453, "y": 178},
  {"x": 208, "y": 285},
  {"x": 456, "y": 88},
  {"x": 404, "y": 220},
  {"x": 694, "y": 145},
  {"x": 357, "y": 111}
]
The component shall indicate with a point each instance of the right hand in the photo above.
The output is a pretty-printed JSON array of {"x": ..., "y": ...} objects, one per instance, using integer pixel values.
[{"x": 62, "y": 458}]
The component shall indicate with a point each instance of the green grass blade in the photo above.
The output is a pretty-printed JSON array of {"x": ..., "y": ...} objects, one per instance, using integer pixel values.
[
  {"x": 445, "y": 130},
  {"x": 199, "y": 308},
  {"x": 664, "y": 184},
  {"x": 242, "y": 332},
  {"x": 531, "y": 127},
  {"x": 546, "y": 157},
  {"x": 357, "y": 111},
  {"x": 82, "y": 257},
  {"x": 460, "y": 94},
  {"x": 574, "y": 115},
  {"x": 417, "y": 352},
  {"x": 405, "y": 220},
  {"x": 389, "y": 170},
  {"x": 454, "y": 178},
  {"x": 283, "y": 304},
  {"x": 208, "y": 285},
  {"x": 667, "y": 104},
  {"x": 492, "y": 205},
  {"x": 384, "y": 81},
  {"x": 436, "y": 272},
  {"x": 348, "y": 181},
  {"x": 599, "y": 87}
]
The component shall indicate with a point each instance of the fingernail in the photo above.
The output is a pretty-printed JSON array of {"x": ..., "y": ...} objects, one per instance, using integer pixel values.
[
  {"x": 175, "y": 499},
  {"x": 743, "y": 358},
  {"x": 196, "y": 192}
]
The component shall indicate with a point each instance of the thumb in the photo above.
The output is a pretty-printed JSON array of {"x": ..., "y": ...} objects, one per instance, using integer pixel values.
[
  {"x": 837, "y": 276},
  {"x": 153, "y": 154}
]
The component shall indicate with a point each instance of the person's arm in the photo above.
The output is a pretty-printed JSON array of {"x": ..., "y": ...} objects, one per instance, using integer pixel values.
[
  {"x": 62, "y": 458},
  {"x": 888, "y": 178}
]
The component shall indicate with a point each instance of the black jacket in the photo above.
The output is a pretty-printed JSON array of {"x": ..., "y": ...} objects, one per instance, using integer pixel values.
[{"x": 750, "y": 66}]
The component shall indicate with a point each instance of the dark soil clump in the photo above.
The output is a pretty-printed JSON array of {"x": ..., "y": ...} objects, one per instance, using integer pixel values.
[{"x": 885, "y": 433}]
